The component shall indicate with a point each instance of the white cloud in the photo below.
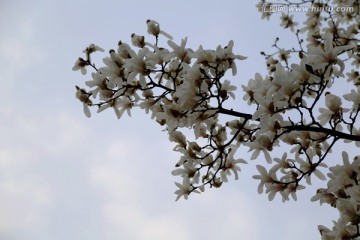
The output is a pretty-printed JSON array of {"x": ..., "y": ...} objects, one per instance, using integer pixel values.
[
  {"x": 133, "y": 222},
  {"x": 19, "y": 53},
  {"x": 126, "y": 208},
  {"x": 113, "y": 181},
  {"x": 42, "y": 133},
  {"x": 29, "y": 148},
  {"x": 23, "y": 202},
  {"x": 129, "y": 209}
]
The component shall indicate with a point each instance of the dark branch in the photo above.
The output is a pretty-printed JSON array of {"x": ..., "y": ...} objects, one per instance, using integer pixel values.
[
  {"x": 234, "y": 113},
  {"x": 328, "y": 131}
]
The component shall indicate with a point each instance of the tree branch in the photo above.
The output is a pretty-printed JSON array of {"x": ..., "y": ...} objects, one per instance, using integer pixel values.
[
  {"x": 234, "y": 113},
  {"x": 328, "y": 131},
  {"x": 324, "y": 130}
]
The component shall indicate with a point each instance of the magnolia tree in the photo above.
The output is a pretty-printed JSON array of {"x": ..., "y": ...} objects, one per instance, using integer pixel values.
[{"x": 295, "y": 105}]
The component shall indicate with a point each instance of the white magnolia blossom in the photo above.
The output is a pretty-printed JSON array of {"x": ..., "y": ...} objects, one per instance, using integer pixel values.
[
  {"x": 354, "y": 97},
  {"x": 184, "y": 189},
  {"x": 80, "y": 64},
  {"x": 263, "y": 144},
  {"x": 295, "y": 107},
  {"x": 321, "y": 58},
  {"x": 333, "y": 110},
  {"x": 264, "y": 177},
  {"x": 153, "y": 28},
  {"x": 342, "y": 193},
  {"x": 84, "y": 96}
]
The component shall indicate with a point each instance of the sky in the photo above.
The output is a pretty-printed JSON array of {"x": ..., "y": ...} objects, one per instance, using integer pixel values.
[{"x": 64, "y": 176}]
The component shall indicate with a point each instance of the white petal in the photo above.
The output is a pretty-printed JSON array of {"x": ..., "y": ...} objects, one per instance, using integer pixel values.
[
  {"x": 320, "y": 175},
  {"x": 86, "y": 110}
]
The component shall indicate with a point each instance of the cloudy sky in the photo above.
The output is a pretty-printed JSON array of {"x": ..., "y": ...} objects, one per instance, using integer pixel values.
[{"x": 63, "y": 176}]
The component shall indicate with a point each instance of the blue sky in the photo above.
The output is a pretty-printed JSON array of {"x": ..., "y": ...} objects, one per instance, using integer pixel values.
[{"x": 63, "y": 176}]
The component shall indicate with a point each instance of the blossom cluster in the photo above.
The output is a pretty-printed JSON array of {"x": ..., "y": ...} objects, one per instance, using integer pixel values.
[
  {"x": 180, "y": 88},
  {"x": 320, "y": 67},
  {"x": 343, "y": 193},
  {"x": 296, "y": 106}
]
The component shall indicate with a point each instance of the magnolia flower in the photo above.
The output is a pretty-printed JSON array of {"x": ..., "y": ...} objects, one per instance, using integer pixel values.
[
  {"x": 269, "y": 105},
  {"x": 173, "y": 116},
  {"x": 137, "y": 40},
  {"x": 113, "y": 69},
  {"x": 269, "y": 126},
  {"x": 153, "y": 28},
  {"x": 227, "y": 90},
  {"x": 302, "y": 75},
  {"x": 354, "y": 97},
  {"x": 310, "y": 168},
  {"x": 204, "y": 57},
  {"x": 184, "y": 189},
  {"x": 341, "y": 175},
  {"x": 271, "y": 64},
  {"x": 312, "y": 22},
  {"x": 186, "y": 94},
  {"x": 356, "y": 61},
  {"x": 80, "y": 64},
  {"x": 120, "y": 105},
  {"x": 266, "y": 178},
  {"x": 230, "y": 56},
  {"x": 139, "y": 64},
  {"x": 227, "y": 171},
  {"x": 273, "y": 189},
  {"x": 261, "y": 143},
  {"x": 231, "y": 165},
  {"x": 264, "y": 8},
  {"x": 226, "y": 57},
  {"x": 324, "y": 232},
  {"x": 189, "y": 170},
  {"x": 208, "y": 159},
  {"x": 283, "y": 163},
  {"x": 348, "y": 208},
  {"x": 125, "y": 51},
  {"x": 159, "y": 56},
  {"x": 341, "y": 230},
  {"x": 179, "y": 138},
  {"x": 92, "y": 48},
  {"x": 284, "y": 55},
  {"x": 288, "y": 22},
  {"x": 100, "y": 84},
  {"x": 151, "y": 105},
  {"x": 353, "y": 76},
  {"x": 324, "y": 197},
  {"x": 114, "y": 104},
  {"x": 257, "y": 85},
  {"x": 286, "y": 87},
  {"x": 84, "y": 96},
  {"x": 333, "y": 111},
  {"x": 291, "y": 190},
  {"x": 320, "y": 58},
  {"x": 200, "y": 131},
  {"x": 179, "y": 51}
]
